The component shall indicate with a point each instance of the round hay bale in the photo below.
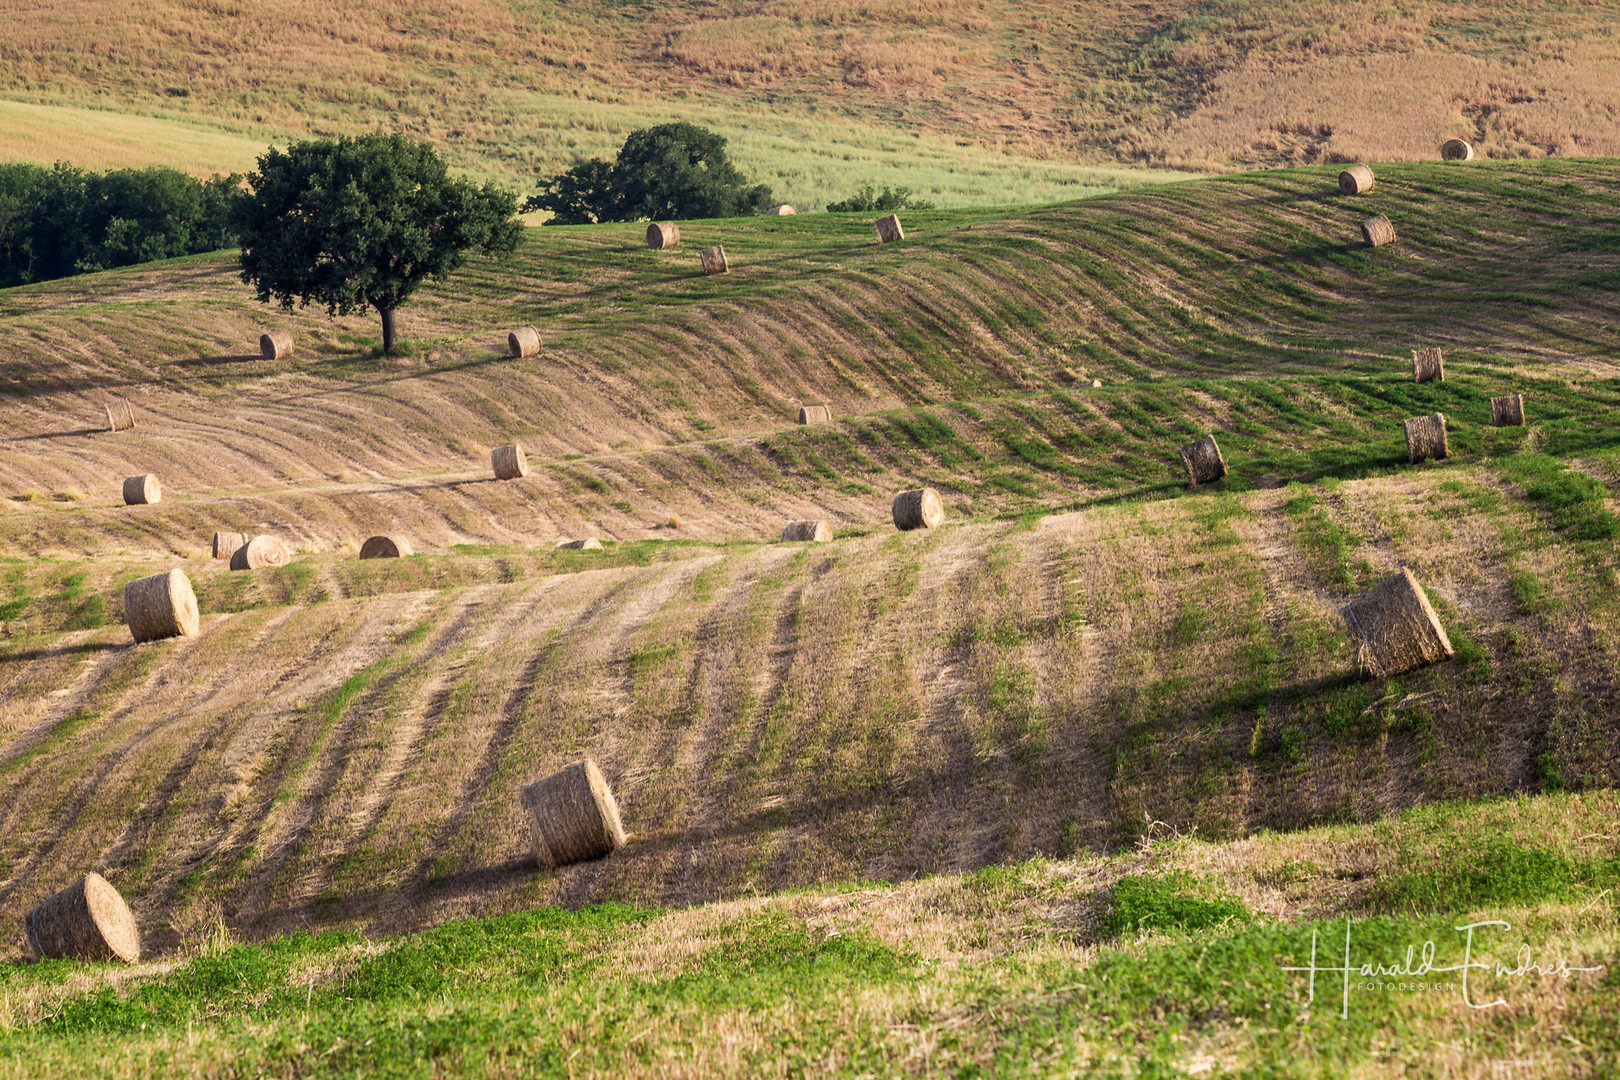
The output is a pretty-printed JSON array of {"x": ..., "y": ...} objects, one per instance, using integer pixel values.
[
  {"x": 815, "y": 414},
  {"x": 1203, "y": 461},
  {"x": 663, "y": 234},
  {"x": 88, "y": 920},
  {"x": 226, "y": 543},
  {"x": 1428, "y": 365},
  {"x": 888, "y": 228},
  {"x": 1426, "y": 438},
  {"x": 781, "y": 211},
  {"x": 919, "y": 508},
  {"x": 120, "y": 415},
  {"x": 1378, "y": 231},
  {"x": 813, "y": 531},
  {"x": 1096, "y": 383},
  {"x": 590, "y": 543},
  {"x": 276, "y": 345},
  {"x": 260, "y": 551},
  {"x": 714, "y": 261},
  {"x": 1456, "y": 150},
  {"x": 141, "y": 490},
  {"x": 509, "y": 462},
  {"x": 1395, "y": 628},
  {"x": 385, "y": 547},
  {"x": 161, "y": 606},
  {"x": 1356, "y": 180},
  {"x": 574, "y": 815},
  {"x": 524, "y": 341},
  {"x": 1508, "y": 411}
]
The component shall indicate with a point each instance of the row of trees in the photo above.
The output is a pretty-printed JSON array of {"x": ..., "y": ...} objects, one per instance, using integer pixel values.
[{"x": 61, "y": 220}]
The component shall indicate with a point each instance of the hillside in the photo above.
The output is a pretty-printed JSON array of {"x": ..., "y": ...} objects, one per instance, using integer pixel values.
[
  {"x": 971, "y": 101},
  {"x": 1087, "y": 648}
]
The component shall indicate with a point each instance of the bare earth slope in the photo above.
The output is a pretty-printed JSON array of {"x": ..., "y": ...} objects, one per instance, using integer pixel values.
[{"x": 344, "y": 742}]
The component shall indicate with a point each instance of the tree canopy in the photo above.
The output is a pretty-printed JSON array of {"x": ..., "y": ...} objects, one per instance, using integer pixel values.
[
  {"x": 356, "y": 223},
  {"x": 668, "y": 172}
]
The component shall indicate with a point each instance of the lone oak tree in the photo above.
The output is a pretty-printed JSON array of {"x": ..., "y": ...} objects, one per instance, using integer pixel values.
[{"x": 353, "y": 223}]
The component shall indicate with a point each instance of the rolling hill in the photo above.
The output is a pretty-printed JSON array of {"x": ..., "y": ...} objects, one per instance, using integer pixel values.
[{"x": 1087, "y": 648}]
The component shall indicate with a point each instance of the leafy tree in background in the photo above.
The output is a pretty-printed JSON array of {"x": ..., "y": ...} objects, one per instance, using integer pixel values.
[
  {"x": 672, "y": 171},
  {"x": 867, "y": 200},
  {"x": 356, "y": 223},
  {"x": 60, "y": 221}
]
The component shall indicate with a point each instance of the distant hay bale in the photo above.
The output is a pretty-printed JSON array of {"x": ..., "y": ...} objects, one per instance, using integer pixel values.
[
  {"x": 1096, "y": 383},
  {"x": 574, "y": 815},
  {"x": 663, "y": 234},
  {"x": 1456, "y": 150},
  {"x": 88, "y": 920},
  {"x": 1378, "y": 231},
  {"x": 590, "y": 543},
  {"x": 1356, "y": 180},
  {"x": 142, "y": 489},
  {"x": 919, "y": 508},
  {"x": 509, "y": 462},
  {"x": 1426, "y": 438},
  {"x": 1508, "y": 411},
  {"x": 1395, "y": 628},
  {"x": 161, "y": 606},
  {"x": 1428, "y": 364},
  {"x": 276, "y": 345},
  {"x": 385, "y": 547},
  {"x": 813, "y": 531},
  {"x": 120, "y": 415},
  {"x": 714, "y": 261},
  {"x": 524, "y": 341},
  {"x": 261, "y": 551},
  {"x": 888, "y": 228},
  {"x": 1203, "y": 461},
  {"x": 815, "y": 414},
  {"x": 226, "y": 543},
  {"x": 781, "y": 211}
]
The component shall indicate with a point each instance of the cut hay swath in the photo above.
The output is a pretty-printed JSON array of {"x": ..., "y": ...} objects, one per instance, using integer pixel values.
[
  {"x": 574, "y": 815},
  {"x": 714, "y": 261},
  {"x": 1395, "y": 629},
  {"x": 1356, "y": 180},
  {"x": 142, "y": 490},
  {"x": 807, "y": 531},
  {"x": 663, "y": 234},
  {"x": 385, "y": 547},
  {"x": 780, "y": 211},
  {"x": 1426, "y": 438},
  {"x": 226, "y": 543},
  {"x": 120, "y": 415},
  {"x": 1428, "y": 364},
  {"x": 1378, "y": 231},
  {"x": 524, "y": 341},
  {"x": 260, "y": 551},
  {"x": 88, "y": 920},
  {"x": 918, "y": 508},
  {"x": 161, "y": 606},
  {"x": 589, "y": 543},
  {"x": 1456, "y": 150},
  {"x": 888, "y": 229},
  {"x": 815, "y": 414},
  {"x": 509, "y": 462},
  {"x": 1203, "y": 461},
  {"x": 275, "y": 345},
  {"x": 1508, "y": 411}
]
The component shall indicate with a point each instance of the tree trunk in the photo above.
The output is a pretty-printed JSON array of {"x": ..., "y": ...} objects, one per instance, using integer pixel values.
[{"x": 390, "y": 338}]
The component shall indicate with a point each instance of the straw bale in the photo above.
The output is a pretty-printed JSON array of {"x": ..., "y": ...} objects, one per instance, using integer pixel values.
[
  {"x": 781, "y": 211},
  {"x": 1378, "y": 231},
  {"x": 120, "y": 415},
  {"x": 1428, "y": 364},
  {"x": 817, "y": 531},
  {"x": 663, "y": 234},
  {"x": 918, "y": 508},
  {"x": 1508, "y": 411},
  {"x": 589, "y": 543},
  {"x": 261, "y": 551},
  {"x": 161, "y": 606},
  {"x": 1456, "y": 150},
  {"x": 226, "y": 543},
  {"x": 714, "y": 260},
  {"x": 385, "y": 547},
  {"x": 1356, "y": 180},
  {"x": 574, "y": 815},
  {"x": 1426, "y": 438},
  {"x": 888, "y": 228},
  {"x": 1395, "y": 628},
  {"x": 275, "y": 345},
  {"x": 88, "y": 920},
  {"x": 1203, "y": 461},
  {"x": 509, "y": 462},
  {"x": 142, "y": 489},
  {"x": 815, "y": 414},
  {"x": 524, "y": 341}
]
